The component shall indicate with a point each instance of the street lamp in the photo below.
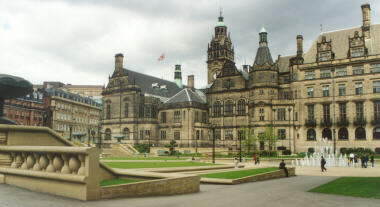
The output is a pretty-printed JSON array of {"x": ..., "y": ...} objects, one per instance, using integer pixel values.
[
  {"x": 71, "y": 129},
  {"x": 240, "y": 148},
  {"x": 213, "y": 143},
  {"x": 333, "y": 102},
  {"x": 93, "y": 136},
  {"x": 290, "y": 144},
  {"x": 273, "y": 132}
]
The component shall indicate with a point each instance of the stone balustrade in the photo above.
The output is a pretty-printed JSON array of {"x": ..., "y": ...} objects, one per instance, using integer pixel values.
[{"x": 63, "y": 165}]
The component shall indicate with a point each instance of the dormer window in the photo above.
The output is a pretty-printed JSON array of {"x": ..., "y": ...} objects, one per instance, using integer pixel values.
[
  {"x": 324, "y": 52},
  {"x": 155, "y": 86},
  {"x": 357, "y": 48}
]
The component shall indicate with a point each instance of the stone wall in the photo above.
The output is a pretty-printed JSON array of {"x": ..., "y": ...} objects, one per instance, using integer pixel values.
[
  {"x": 265, "y": 176},
  {"x": 169, "y": 186}
]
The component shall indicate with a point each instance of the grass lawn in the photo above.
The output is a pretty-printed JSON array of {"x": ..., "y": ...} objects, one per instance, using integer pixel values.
[
  {"x": 143, "y": 158},
  {"x": 366, "y": 187},
  {"x": 117, "y": 181},
  {"x": 239, "y": 173},
  {"x": 131, "y": 165}
]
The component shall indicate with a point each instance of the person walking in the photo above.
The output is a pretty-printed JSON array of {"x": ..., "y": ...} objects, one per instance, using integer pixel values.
[
  {"x": 373, "y": 161},
  {"x": 355, "y": 160},
  {"x": 366, "y": 161},
  {"x": 282, "y": 166},
  {"x": 352, "y": 156},
  {"x": 362, "y": 159},
  {"x": 236, "y": 162},
  {"x": 323, "y": 163},
  {"x": 255, "y": 158}
]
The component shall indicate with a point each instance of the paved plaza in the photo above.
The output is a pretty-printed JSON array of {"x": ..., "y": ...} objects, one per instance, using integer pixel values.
[{"x": 283, "y": 192}]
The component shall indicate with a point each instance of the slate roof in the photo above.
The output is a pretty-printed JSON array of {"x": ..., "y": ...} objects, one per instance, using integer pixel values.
[
  {"x": 186, "y": 95},
  {"x": 283, "y": 63},
  {"x": 71, "y": 96},
  {"x": 339, "y": 41},
  {"x": 145, "y": 82},
  {"x": 262, "y": 56}
]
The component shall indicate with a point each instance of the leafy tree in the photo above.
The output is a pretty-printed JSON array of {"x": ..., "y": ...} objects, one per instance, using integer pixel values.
[
  {"x": 250, "y": 139},
  {"x": 172, "y": 146},
  {"x": 268, "y": 137}
]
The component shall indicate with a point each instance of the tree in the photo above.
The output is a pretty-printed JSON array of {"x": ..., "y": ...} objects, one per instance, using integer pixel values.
[
  {"x": 172, "y": 146},
  {"x": 250, "y": 138},
  {"x": 268, "y": 137}
]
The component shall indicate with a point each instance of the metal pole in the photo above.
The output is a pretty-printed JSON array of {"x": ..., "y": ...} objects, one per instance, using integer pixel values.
[
  {"x": 213, "y": 144},
  {"x": 71, "y": 130},
  {"x": 290, "y": 144},
  {"x": 240, "y": 149},
  {"x": 334, "y": 124}
]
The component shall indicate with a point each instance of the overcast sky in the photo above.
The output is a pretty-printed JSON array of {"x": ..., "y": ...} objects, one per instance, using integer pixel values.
[{"x": 74, "y": 41}]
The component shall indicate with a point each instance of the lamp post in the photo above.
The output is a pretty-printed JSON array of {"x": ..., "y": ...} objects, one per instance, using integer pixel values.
[
  {"x": 93, "y": 135},
  {"x": 71, "y": 129},
  {"x": 290, "y": 144},
  {"x": 240, "y": 148},
  {"x": 273, "y": 133},
  {"x": 333, "y": 102},
  {"x": 213, "y": 143}
]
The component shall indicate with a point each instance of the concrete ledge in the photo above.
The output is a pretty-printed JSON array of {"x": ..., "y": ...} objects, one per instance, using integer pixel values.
[
  {"x": 2, "y": 178},
  {"x": 252, "y": 178},
  {"x": 187, "y": 169},
  {"x": 169, "y": 186},
  {"x": 45, "y": 175}
]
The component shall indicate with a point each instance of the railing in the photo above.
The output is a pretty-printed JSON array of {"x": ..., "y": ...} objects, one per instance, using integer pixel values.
[
  {"x": 326, "y": 122},
  {"x": 342, "y": 122},
  {"x": 360, "y": 121},
  {"x": 310, "y": 122}
]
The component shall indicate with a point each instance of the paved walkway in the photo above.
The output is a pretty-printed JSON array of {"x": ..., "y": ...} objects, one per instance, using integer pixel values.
[{"x": 279, "y": 192}]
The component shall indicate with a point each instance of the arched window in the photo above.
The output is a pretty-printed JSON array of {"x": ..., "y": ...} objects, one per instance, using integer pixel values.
[
  {"x": 229, "y": 108},
  {"x": 343, "y": 134},
  {"x": 326, "y": 133},
  {"x": 311, "y": 134},
  {"x": 126, "y": 133},
  {"x": 217, "y": 109},
  {"x": 360, "y": 133},
  {"x": 241, "y": 107},
  {"x": 376, "y": 133},
  {"x": 126, "y": 110},
  {"x": 107, "y": 134}
]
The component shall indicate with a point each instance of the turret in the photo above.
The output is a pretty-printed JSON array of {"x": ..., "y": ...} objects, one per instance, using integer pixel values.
[
  {"x": 178, "y": 75},
  {"x": 119, "y": 61}
]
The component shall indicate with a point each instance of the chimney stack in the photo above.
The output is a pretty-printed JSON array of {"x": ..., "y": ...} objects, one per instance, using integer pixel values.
[
  {"x": 299, "y": 45},
  {"x": 190, "y": 82},
  {"x": 178, "y": 75},
  {"x": 119, "y": 61},
  {"x": 366, "y": 20}
]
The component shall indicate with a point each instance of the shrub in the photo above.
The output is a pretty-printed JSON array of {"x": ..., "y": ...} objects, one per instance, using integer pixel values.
[
  {"x": 358, "y": 151},
  {"x": 286, "y": 152},
  {"x": 142, "y": 148}
]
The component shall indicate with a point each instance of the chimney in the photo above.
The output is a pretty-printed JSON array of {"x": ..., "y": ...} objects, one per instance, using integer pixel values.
[
  {"x": 299, "y": 45},
  {"x": 190, "y": 82},
  {"x": 366, "y": 20},
  {"x": 245, "y": 68},
  {"x": 119, "y": 61}
]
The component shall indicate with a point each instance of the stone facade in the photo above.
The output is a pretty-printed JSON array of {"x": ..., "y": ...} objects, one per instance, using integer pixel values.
[{"x": 331, "y": 91}]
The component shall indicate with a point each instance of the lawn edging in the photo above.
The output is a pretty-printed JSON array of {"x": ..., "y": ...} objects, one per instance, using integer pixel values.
[{"x": 252, "y": 178}]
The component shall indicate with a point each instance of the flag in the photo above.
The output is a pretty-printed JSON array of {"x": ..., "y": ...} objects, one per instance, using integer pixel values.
[{"x": 162, "y": 57}]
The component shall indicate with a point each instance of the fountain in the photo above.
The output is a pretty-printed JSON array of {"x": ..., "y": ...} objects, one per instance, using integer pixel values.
[{"x": 323, "y": 147}]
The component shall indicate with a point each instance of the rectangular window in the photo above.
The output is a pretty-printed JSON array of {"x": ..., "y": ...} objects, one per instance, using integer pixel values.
[
  {"x": 376, "y": 86},
  {"x": 147, "y": 111},
  {"x": 376, "y": 110},
  {"x": 310, "y": 92},
  {"x": 177, "y": 135},
  {"x": 359, "y": 110},
  {"x": 326, "y": 73},
  {"x": 218, "y": 134},
  {"x": 196, "y": 116},
  {"x": 163, "y": 117},
  {"x": 126, "y": 110},
  {"x": 358, "y": 70},
  {"x": 147, "y": 134},
  {"x": 340, "y": 72},
  {"x": 141, "y": 134},
  {"x": 228, "y": 135},
  {"x": 296, "y": 116},
  {"x": 342, "y": 89},
  {"x": 342, "y": 110},
  {"x": 261, "y": 92},
  {"x": 177, "y": 117},
  {"x": 281, "y": 114},
  {"x": 326, "y": 90},
  {"x": 241, "y": 135},
  {"x": 204, "y": 118},
  {"x": 326, "y": 112},
  {"x": 375, "y": 68},
  {"x": 281, "y": 133},
  {"x": 108, "y": 111},
  {"x": 324, "y": 56},
  {"x": 261, "y": 118},
  {"x": 163, "y": 135},
  {"x": 310, "y": 111},
  {"x": 359, "y": 88},
  {"x": 309, "y": 75},
  {"x": 357, "y": 52}
]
